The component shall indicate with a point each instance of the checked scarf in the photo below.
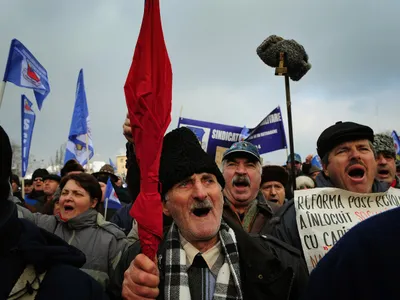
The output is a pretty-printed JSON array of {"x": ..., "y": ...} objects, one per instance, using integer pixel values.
[{"x": 227, "y": 284}]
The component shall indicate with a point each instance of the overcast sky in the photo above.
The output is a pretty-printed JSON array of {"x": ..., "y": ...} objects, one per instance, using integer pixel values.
[{"x": 353, "y": 47}]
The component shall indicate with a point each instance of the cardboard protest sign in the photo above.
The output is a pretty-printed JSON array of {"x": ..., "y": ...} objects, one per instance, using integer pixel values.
[{"x": 324, "y": 215}]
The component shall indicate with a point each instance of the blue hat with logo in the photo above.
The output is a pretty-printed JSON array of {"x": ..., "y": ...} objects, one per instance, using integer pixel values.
[
  {"x": 243, "y": 147},
  {"x": 297, "y": 158}
]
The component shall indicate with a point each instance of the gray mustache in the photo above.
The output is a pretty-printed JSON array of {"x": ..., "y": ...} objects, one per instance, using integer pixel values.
[
  {"x": 202, "y": 204},
  {"x": 241, "y": 179}
]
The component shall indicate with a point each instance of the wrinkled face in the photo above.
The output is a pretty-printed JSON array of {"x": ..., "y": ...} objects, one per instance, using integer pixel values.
[
  {"x": 38, "y": 184},
  {"x": 50, "y": 187},
  {"x": 103, "y": 187},
  {"x": 74, "y": 200},
  {"x": 28, "y": 189},
  {"x": 196, "y": 204},
  {"x": 242, "y": 180},
  {"x": 352, "y": 166},
  {"x": 386, "y": 167},
  {"x": 273, "y": 191}
]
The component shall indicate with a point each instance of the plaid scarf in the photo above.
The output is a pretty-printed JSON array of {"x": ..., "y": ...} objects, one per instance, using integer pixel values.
[{"x": 176, "y": 278}]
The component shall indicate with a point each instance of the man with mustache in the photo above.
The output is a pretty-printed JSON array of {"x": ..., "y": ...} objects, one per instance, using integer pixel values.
[
  {"x": 348, "y": 160},
  {"x": 386, "y": 159},
  {"x": 203, "y": 256},
  {"x": 244, "y": 203}
]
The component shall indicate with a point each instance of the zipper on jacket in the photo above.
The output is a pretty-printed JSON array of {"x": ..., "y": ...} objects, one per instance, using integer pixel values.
[
  {"x": 72, "y": 237},
  {"x": 291, "y": 285}
]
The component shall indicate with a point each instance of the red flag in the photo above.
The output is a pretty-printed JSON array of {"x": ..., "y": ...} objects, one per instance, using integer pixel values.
[{"x": 148, "y": 93}]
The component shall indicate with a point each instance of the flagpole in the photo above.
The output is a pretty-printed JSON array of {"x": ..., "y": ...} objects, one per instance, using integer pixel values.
[
  {"x": 105, "y": 208},
  {"x": 23, "y": 188},
  {"x": 2, "y": 89},
  {"x": 88, "y": 152}
]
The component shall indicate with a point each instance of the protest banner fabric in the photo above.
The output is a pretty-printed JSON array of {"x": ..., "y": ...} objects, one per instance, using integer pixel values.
[
  {"x": 324, "y": 215},
  {"x": 267, "y": 136}
]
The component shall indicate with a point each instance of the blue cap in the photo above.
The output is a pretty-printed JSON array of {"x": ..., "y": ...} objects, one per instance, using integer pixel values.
[
  {"x": 243, "y": 147},
  {"x": 297, "y": 157}
]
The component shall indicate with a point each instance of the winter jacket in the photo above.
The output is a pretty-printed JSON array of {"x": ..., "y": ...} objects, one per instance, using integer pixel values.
[
  {"x": 102, "y": 242},
  {"x": 28, "y": 253},
  {"x": 269, "y": 268},
  {"x": 283, "y": 225},
  {"x": 263, "y": 214},
  {"x": 363, "y": 264},
  {"x": 123, "y": 219}
]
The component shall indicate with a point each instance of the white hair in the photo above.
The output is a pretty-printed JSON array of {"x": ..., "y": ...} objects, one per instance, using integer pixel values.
[{"x": 302, "y": 181}]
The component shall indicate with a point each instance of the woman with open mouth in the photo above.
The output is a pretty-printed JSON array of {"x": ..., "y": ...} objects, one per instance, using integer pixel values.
[{"x": 81, "y": 225}]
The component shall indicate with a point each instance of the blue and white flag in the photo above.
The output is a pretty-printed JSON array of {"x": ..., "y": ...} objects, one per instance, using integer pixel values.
[
  {"x": 27, "y": 123},
  {"x": 111, "y": 199},
  {"x": 396, "y": 141},
  {"x": 79, "y": 131},
  {"x": 113, "y": 165},
  {"x": 316, "y": 161},
  {"x": 24, "y": 70}
]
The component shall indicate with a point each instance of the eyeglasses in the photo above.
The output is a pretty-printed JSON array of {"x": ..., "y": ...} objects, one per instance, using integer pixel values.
[{"x": 38, "y": 179}]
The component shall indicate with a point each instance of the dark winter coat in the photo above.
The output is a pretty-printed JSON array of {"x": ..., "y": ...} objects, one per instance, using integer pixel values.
[
  {"x": 269, "y": 268},
  {"x": 24, "y": 246}
]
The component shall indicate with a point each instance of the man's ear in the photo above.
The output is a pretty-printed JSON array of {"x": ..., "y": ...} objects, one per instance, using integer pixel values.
[
  {"x": 165, "y": 208},
  {"x": 94, "y": 203},
  {"x": 325, "y": 170}
]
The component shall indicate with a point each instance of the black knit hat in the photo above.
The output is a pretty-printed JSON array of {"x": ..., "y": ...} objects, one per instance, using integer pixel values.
[
  {"x": 181, "y": 157},
  {"x": 54, "y": 177},
  {"x": 340, "y": 133},
  {"x": 5, "y": 164},
  {"x": 274, "y": 173},
  {"x": 39, "y": 173}
]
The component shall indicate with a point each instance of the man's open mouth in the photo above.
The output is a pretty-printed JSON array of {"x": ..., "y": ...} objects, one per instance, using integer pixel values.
[
  {"x": 273, "y": 200},
  {"x": 201, "y": 212},
  {"x": 241, "y": 183},
  {"x": 383, "y": 172},
  {"x": 356, "y": 172}
]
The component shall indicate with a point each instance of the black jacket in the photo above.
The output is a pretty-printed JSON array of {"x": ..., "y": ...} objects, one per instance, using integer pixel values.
[
  {"x": 23, "y": 243},
  {"x": 283, "y": 225},
  {"x": 269, "y": 268}
]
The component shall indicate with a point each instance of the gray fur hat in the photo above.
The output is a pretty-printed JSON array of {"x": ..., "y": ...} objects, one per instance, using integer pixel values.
[{"x": 384, "y": 143}]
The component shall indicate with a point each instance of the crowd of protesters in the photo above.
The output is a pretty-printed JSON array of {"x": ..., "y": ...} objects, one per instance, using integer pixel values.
[{"x": 230, "y": 231}]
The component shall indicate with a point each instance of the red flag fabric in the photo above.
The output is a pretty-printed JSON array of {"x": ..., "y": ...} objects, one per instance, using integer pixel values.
[{"x": 148, "y": 93}]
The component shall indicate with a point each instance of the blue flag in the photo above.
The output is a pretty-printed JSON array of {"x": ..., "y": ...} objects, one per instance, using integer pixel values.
[
  {"x": 269, "y": 135},
  {"x": 396, "y": 141},
  {"x": 316, "y": 161},
  {"x": 24, "y": 70},
  {"x": 111, "y": 199},
  {"x": 79, "y": 131},
  {"x": 244, "y": 134},
  {"x": 112, "y": 165},
  {"x": 28, "y": 122}
]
